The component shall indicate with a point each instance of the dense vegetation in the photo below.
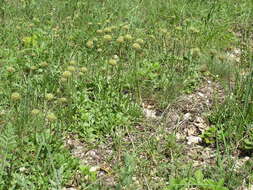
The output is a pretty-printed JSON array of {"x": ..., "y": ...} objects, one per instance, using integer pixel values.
[{"x": 84, "y": 68}]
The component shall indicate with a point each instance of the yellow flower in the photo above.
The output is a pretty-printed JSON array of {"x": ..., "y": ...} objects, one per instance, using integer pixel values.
[
  {"x": 136, "y": 46},
  {"x": 72, "y": 62},
  {"x": 140, "y": 41},
  {"x": 120, "y": 39},
  {"x": 66, "y": 74},
  {"x": 90, "y": 44},
  {"x": 108, "y": 37},
  {"x": 33, "y": 68},
  {"x": 126, "y": 27},
  {"x": 63, "y": 79},
  {"x": 83, "y": 69},
  {"x": 43, "y": 64},
  {"x": 112, "y": 62},
  {"x": 51, "y": 117},
  {"x": 99, "y": 31},
  {"x": 10, "y": 69},
  {"x": 49, "y": 96},
  {"x": 71, "y": 68},
  {"x": 35, "y": 112},
  {"x": 128, "y": 37},
  {"x": 108, "y": 30},
  {"x": 62, "y": 100},
  {"x": 15, "y": 96}
]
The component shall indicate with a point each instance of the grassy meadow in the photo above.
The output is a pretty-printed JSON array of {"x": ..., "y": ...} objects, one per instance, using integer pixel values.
[{"x": 85, "y": 69}]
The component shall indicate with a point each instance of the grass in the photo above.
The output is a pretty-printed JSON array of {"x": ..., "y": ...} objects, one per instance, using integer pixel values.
[{"x": 86, "y": 67}]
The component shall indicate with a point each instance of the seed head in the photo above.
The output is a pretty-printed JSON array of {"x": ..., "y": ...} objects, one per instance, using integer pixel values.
[
  {"x": 90, "y": 44},
  {"x": 120, "y": 39},
  {"x": 71, "y": 68},
  {"x": 51, "y": 117},
  {"x": 15, "y": 96},
  {"x": 33, "y": 68},
  {"x": 62, "y": 100},
  {"x": 139, "y": 41},
  {"x": 99, "y": 31},
  {"x": 35, "y": 112},
  {"x": 66, "y": 74},
  {"x": 125, "y": 27},
  {"x": 83, "y": 69},
  {"x": 10, "y": 69},
  {"x": 43, "y": 64},
  {"x": 72, "y": 62},
  {"x": 108, "y": 30},
  {"x": 128, "y": 37},
  {"x": 107, "y": 37},
  {"x": 136, "y": 46},
  {"x": 49, "y": 96},
  {"x": 63, "y": 79},
  {"x": 112, "y": 62}
]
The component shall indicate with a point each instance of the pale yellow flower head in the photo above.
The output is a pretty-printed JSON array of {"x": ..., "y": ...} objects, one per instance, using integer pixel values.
[
  {"x": 51, "y": 117},
  {"x": 112, "y": 62},
  {"x": 66, "y": 74},
  {"x": 136, "y": 46},
  {"x": 128, "y": 37},
  {"x": 120, "y": 39},
  {"x": 35, "y": 112},
  {"x": 43, "y": 64},
  {"x": 83, "y": 69},
  {"x": 10, "y": 69},
  {"x": 15, "y": 96},
  {"x": 90, "y": 44},
  {"x": 71, "y": 68},
  {"x": 49, "y": 96},
  {"x": 107, "y": 37}
]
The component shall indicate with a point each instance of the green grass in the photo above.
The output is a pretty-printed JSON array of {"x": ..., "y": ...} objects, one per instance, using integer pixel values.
[{"x": 64, "y": 71}]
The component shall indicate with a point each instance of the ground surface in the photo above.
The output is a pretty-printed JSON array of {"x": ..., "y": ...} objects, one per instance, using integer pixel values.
[{"x": 118, "y": 94}]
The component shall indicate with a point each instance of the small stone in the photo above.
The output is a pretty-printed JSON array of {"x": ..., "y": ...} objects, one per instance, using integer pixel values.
[{"x": 193, "y": 140}]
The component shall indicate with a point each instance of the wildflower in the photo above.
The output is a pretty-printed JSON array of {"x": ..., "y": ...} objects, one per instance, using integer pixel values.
[
  {"x": 179, "y": 28},
  {"x": 71, "y": 68},
  {"x": 136, "y": 46},
  {"x": 120, "y": 39},
  {"x": 128, "y": 37},
  {"x": 33, "y": 68},
  {"x": 49, "y": 96},
  {"x": 112, "y": 62},
  {"x": 108, "y": 37},
  {"x": 99, "y": 50},
  {"x": 116, "y": 57},
  {"x": 63, "y": 79},
  {"x": 140, "y": 41},
  {"x": 43, "y": 64},
  {"x": 163, "y": 30},
  {"x": 51, "y": 117},
  {"x": 195, "y": 51},
  {"x": 193, "y": 30},
  {"x": 108, "y": 30},
  {"x": 10, "y": 69},
  {"x": 90, "y": 44},
  {"x": 126, "y": 27},
  {"x": 62, "y": 100},
  {"x": 72, "y": 62},
  {"x": 15, "y": 96},
  {"x": 66, "y": 74},
  {"x": 83, "y": 69},
  {"x": 35, "y": 112},
  {"x": 99, "y": 31}
]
